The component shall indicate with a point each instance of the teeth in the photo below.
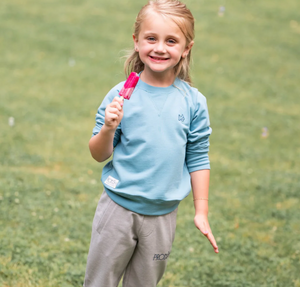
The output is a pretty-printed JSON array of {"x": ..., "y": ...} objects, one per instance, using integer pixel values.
[{"x": 158, "y": 58}]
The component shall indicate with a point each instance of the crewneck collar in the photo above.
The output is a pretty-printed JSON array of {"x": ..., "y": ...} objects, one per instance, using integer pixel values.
[{"x": 153, "y": 89}]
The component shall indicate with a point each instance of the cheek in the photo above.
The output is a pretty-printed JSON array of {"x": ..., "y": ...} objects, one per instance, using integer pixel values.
[
  {"x": 178, "y": 52},
  {"x": 145, "y": 48}
]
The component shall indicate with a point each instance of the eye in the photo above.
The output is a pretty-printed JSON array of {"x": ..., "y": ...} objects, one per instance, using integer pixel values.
[
  {"x": 151, "y": 39},
  {"x": 171, "y": 41}
]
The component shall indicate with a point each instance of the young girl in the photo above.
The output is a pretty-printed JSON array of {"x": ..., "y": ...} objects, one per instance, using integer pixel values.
[{"x": 159, "y": 141}]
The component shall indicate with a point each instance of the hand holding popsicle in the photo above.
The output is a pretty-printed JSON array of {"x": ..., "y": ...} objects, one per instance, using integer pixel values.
[{"x": 114, "y": 113}]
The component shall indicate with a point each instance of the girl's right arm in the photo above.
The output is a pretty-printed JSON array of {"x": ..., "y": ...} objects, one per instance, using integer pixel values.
[{"x": 101, "y": 145}]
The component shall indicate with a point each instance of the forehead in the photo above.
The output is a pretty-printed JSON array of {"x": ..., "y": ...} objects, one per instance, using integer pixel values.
[{"x": 157, "y": 23}]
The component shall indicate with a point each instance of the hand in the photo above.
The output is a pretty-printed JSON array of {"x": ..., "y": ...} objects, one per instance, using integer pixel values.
[
  {"x": 201, "y": 222},
  {"x": 114, "y": 113}
]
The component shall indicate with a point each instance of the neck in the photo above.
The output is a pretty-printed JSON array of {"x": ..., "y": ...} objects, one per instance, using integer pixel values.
[{"x": 158, "y": 79}]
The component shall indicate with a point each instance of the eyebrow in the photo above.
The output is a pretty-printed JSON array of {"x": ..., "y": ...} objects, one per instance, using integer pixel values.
[{"x": 148, "y": 33}]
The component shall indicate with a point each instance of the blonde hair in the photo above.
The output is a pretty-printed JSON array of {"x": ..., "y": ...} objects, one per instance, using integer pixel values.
[{"x": 182, "y": 16}]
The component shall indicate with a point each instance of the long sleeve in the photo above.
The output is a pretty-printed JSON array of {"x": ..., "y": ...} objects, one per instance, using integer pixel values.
[
  {"x": 198, "y": 137},
  {"x": 100, "y": 116}
]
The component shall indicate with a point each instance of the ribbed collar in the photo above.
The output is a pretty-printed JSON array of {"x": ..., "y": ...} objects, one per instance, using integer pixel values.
[{"x": 152, "y": 89}]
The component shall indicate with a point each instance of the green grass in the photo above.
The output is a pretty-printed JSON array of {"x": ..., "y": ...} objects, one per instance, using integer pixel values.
[{"x": 58, "y": 59}]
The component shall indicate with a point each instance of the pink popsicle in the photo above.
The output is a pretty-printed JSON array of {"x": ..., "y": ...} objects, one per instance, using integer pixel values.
[{"x": 129, "y": 86}]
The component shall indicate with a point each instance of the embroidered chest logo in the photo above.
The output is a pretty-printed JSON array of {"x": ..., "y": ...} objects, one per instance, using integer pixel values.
[{"x": 181, "y": 118}]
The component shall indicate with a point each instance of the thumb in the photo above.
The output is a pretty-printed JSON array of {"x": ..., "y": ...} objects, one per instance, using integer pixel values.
[{"x": 121, "y": 101}]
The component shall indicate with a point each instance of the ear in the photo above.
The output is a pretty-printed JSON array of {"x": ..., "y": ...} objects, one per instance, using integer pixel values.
[
  {"x": 187, "y": 49},
  {"x": 135, "y": 40}
]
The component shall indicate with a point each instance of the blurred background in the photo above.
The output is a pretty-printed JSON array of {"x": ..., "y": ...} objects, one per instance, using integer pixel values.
[{"x": 58, "y": 59}]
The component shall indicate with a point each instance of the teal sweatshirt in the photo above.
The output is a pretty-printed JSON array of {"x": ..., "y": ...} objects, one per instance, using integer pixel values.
[{"x": 162, "y": 138}]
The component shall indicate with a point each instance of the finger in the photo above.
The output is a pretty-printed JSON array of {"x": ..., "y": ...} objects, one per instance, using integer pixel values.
[
  {"x": 122, "y": 101},
  {"x": 113, "y": 110},
  {"x": 111, "y": 116},
  {"x": 213, "y": 242},
  {"x": 119, "y": 100},
  {"x": 116, "y": 105}
]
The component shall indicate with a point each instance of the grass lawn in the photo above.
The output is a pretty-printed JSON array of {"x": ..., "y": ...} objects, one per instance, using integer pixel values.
[{"x": 58, "y": 59}]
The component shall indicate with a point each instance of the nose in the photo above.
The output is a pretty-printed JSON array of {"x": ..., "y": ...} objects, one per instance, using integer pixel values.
[{"x": 160, "y": 47}]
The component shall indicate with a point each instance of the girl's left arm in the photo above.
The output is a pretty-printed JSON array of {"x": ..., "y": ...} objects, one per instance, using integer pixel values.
[{"x": 200, "y": 186}]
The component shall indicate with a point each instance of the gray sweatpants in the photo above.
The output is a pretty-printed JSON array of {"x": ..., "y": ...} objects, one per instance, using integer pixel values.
[{"x": 126, "y": 243}]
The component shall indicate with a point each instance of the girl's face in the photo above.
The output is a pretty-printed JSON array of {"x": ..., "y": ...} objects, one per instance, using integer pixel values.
[{"x": 160, "y": 45}]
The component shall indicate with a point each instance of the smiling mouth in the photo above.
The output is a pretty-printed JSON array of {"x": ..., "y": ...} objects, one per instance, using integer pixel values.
[{"x": 158, "y": 58}]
